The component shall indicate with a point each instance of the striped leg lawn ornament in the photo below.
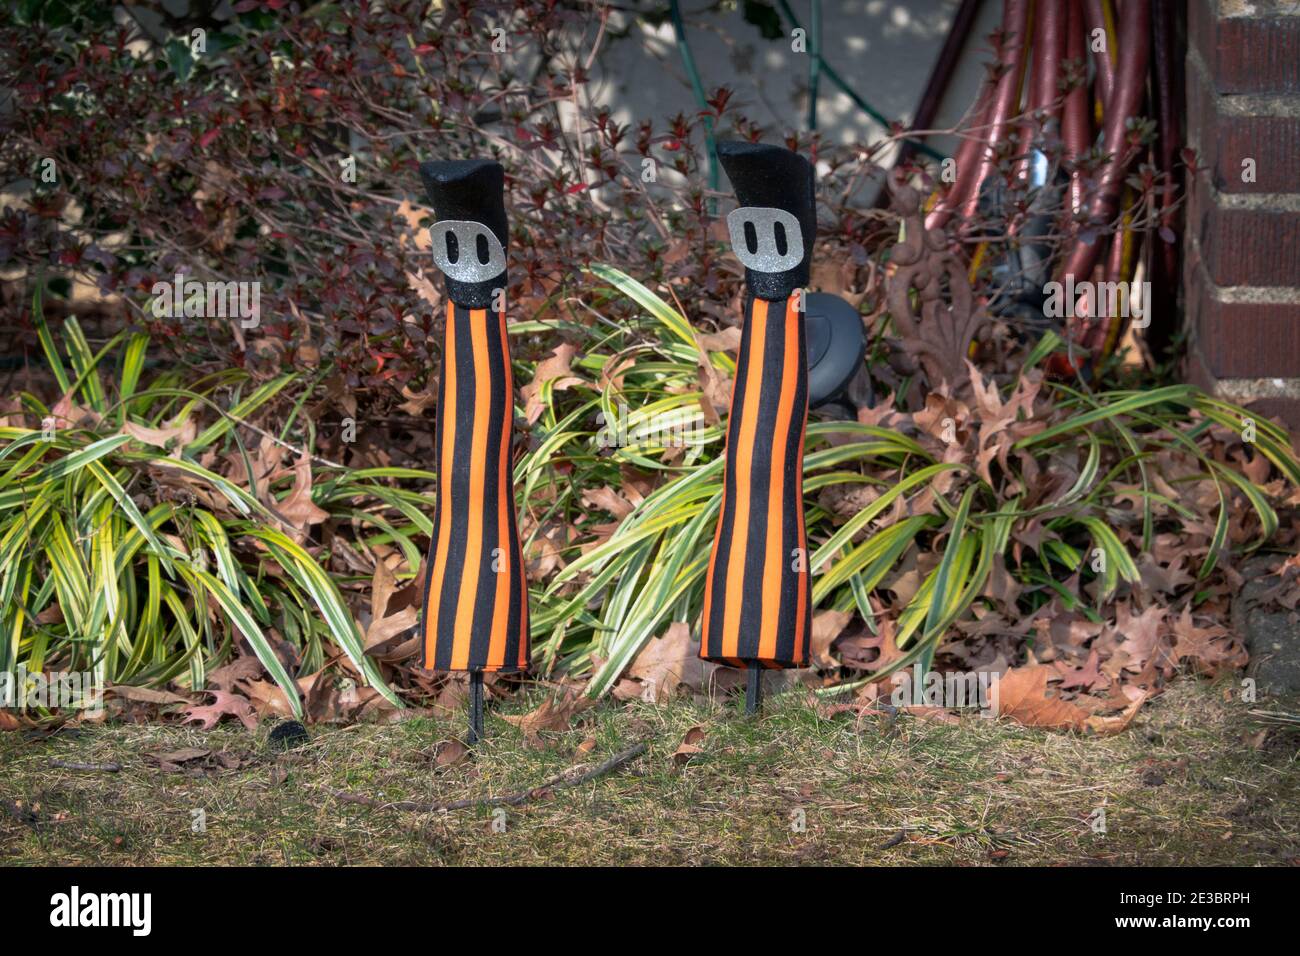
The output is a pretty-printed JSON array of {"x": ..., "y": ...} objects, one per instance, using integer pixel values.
[
  {"x": 475, "y": 615},
  {"x": 757, "y": 599}
]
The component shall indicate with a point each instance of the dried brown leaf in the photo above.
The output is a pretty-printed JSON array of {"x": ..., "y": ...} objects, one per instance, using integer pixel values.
[
  {"x": 691, "y": 745},
  {"x": 554, "y": 369},
  {"x": 298, "y": 507},
  {"x": 553, "y": 714},
  {"x": 224, "y": 704},
  {"x": 668, "y": 662}
]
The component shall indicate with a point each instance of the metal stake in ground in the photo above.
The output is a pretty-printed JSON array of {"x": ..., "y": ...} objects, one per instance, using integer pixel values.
[
  {"x": 753, "y": 688},
  {"x": 475, "y": 707},
  {"x": 757, "y": 601},
  {"x": 475, "y": 613}
]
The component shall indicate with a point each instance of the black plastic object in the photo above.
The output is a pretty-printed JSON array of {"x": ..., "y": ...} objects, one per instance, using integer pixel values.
[
  {"x": 286, "y": 735},
  {"x": 766, "y": 176},
  {"x": 470, "y": 190},
  {"x": 1019, "y": 275},
  {"x": 836, "y": 346}
]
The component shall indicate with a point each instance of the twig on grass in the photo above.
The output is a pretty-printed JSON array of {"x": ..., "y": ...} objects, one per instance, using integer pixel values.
[
  {"x": 113, "y": 767},
  {"x": 558, "y": 782}
]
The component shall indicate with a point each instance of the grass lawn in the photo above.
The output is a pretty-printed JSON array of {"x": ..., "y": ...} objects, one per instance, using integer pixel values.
[{"x": 1196, "y": 780}]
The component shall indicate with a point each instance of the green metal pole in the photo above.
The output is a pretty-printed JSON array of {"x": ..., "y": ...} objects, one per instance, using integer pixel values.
[{"x": 688, "y": 62}]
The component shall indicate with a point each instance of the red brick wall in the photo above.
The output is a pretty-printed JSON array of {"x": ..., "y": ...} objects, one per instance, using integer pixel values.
[{"x": 1241, "y": 278}]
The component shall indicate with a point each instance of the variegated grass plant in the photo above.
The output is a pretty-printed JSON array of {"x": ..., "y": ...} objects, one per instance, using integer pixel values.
[
  {"x": 621, "y": 589},
  {"x": 121, "y": 552},
  {"x": 122, "y": 555}
]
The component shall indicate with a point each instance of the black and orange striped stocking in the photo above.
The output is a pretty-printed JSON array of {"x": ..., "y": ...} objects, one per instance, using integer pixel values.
[
  {"x": 757, "y": 595},
  {"x": 475, "y": 614},
  {"x": 757, "y": 598},
  {"x": 476, "y": 596}
]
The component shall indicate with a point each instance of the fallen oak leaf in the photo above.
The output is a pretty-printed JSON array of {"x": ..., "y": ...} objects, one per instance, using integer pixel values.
[
  {"x": 380, "y": 631},
  {"x": 627, "y": 689},
  {"x": 690, "y": 746},
  {"x": 224, "y": 704},
  {"x": 267, "y": 461},
  {"x": 853, "y": 649},
  {"x": 382, "y": 585},
  {"x": 182, "y": 433},
  {"x": 417, "y": 402},
  {"x": 67, "y": 414},
  {"x": 267, "y": 698},
  {"x": 297, "y": 507},
  {"x": 449, "y": 753},
  {"x": 944, "y": 418},
  {"x": 607, "y": 499},
  {"x": 394, "y": 611},
  {"x": 422, "y": 286},
  {"x": 1140, "y": 635},
  {"x": 553, "y": 714},
  {"x": 383, "y": 625},
  {"x": 1084, "y": 677},
  {"x": 826, "y": 626},
  {"x": 416, "y": 232},
  {"x": 397, "y": 650},
  {"x": 1113, "y": 725},
  {"x": 728, "y": 340},
  {"x": 612, "y": 372},
  {"x": 1023, "y": 696},
  {"x": 667, "y": 662},
  {"x": 547, "y": 552},
  {"x": 240, "y": 669},
  {"x": 1212, "y": 648},
  {"x": 715, "y": 388},
  {"x": 555, "y": 370}
]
